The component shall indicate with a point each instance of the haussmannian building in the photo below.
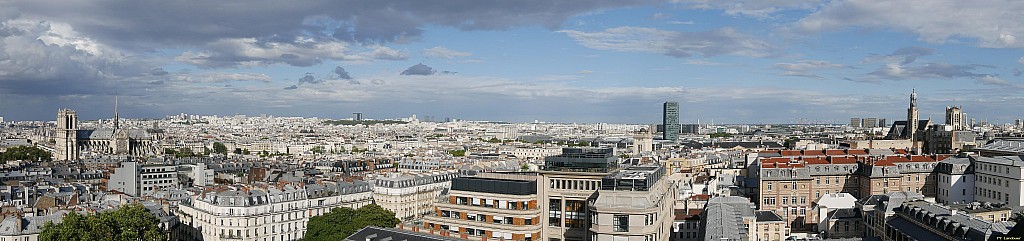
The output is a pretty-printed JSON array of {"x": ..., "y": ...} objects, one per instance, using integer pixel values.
[
  {"x": 266, "y": 213},
  {"x": 411, "y": 197}
]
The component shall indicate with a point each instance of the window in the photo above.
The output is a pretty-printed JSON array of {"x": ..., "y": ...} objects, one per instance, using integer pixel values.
[
  {"x": 620, "y": 223},
  {"x": 555, "y": 212},
  {"x": 769, "y": 187}
]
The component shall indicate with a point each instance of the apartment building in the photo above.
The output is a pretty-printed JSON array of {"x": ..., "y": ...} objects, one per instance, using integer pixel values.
[
  {"x": 956, "y": 180},
  {"x": 136, "y": 179},
  {"x": 769, "y": 226},
  {"x": 922, "y": 220},
  {"x": 791, "y": 181},
  {"x": 411, "y": 196},
  {"x": 266, "y": 213},
  {"x": 999, "y": 179},
  {"x": 634, "y": 203},
  {"x": 489, "y": 206}
]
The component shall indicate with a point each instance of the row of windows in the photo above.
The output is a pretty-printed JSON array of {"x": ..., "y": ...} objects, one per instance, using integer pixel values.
[
  {"x": 993, "y": 194},
  {"x": 482, "y": 217},
  {"x": 785, "y": 200},
  {"x": 574, "y": 184},
  {"x": 993, "y": 181},
  {"x": 993, "y": 168},
  {"x": 491, "y": 203}
]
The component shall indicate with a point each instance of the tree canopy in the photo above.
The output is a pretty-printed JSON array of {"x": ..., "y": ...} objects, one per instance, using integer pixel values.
[
  {"x": 340, "y": 223},
  {"x": 129, "y": 222},
  {"x": 27, "y": 153},
  {"x": 220, "y": 148}
]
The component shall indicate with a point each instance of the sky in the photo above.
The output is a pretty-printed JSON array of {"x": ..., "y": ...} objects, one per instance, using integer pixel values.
[{"x": 724, "y": 61}]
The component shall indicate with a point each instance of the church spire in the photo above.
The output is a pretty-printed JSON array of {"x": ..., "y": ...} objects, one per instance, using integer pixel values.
[{"x": 116, "y": 119}]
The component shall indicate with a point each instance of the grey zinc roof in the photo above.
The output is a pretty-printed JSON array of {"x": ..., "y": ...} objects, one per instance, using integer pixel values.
[
  {"x": 1014, "y": 146},
  {"x": 1003, "y": 160},
  {"x": 724, "y": 218},
  {"x": 29, "y": 225}
]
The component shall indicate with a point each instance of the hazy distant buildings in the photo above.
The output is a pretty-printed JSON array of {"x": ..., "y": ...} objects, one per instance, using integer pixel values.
[
  {"x": 690, "y": 128},
  {"x": 670, "y": 119},
  {"x": 872, "y": 122}
]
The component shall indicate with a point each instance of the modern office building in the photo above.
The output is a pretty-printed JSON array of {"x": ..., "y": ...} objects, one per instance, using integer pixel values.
[
  {"x": 489, "y": 206},
  {"x": 634, "y": 203},
  {"x": 856, "y": 122},
  {"x": 670, "y": 119},
  {"x": 266, "y": 213},
  {"x": 136, "y": 179},
  {"x": 565, "y": 183}
]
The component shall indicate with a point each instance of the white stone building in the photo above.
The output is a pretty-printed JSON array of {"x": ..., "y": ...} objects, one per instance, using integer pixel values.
[
  {"x": 272, "y": 213},
  {"x": 955, "y": 184},
  {"x": 411, "y": 196},
  {"x": 999, "y": 180}
]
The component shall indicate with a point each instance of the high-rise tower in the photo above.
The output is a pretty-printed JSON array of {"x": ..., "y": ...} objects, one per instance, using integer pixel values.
[
  {"x": 956, "y": 118},
  {"x": 670, "y": 120},
  {"x": 67, "y": 135}
]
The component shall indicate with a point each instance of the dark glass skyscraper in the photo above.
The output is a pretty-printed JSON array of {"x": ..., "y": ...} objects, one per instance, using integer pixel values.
[{"x": 670, "y": 119}]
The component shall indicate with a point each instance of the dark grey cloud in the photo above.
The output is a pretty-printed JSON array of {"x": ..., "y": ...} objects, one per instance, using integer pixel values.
[
  {"x": 342, "y": 74},
  {"x": 158, "y": 71},
  {"x": 158, "y": 24},
  {"x": 419, "y": 69},
  {"x": 291, "y": 87},
  {"x": 310, "y": 79}
]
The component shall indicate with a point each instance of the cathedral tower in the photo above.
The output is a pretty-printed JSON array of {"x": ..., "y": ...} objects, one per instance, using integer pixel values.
[{"x": 67, "y": 136}]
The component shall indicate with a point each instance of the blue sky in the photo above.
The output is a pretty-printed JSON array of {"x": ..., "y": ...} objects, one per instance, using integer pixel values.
[{"x": 778, "y": 61}]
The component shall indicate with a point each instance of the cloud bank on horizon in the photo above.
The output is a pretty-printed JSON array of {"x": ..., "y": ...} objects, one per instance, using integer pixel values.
[{"x": 593, "y": 61}]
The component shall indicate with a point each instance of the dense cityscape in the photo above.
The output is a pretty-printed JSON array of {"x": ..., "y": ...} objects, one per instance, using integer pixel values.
[
  {"x": 524, "y": 120},
  {"x": 289, "y": 178}
]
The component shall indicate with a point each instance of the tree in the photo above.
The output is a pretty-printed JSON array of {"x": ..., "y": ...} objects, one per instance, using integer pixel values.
[
  {"x": 340, "y": 223},
  {"x": 245, "y": 152},
  {"x": 238, "y": 151},
  {"x": 317, "y": 149},
  {"x": 220, "y": 148},
  {"x": 25, "y": 153},
  {"x": 129, "y": 222},
  {"x": 457, "y": 152}
]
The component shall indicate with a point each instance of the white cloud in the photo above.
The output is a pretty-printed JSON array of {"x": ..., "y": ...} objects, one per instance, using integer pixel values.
[
  {"x": 993, "y": 23},
  {"x": 216, "y": 77},
  {"x": 759, "y": 9},
  {"x": 252, "y": 52},
  {"x": 725, "y": 41},
  {"x": 676, "y": 22},
  {"x": 1020, "y": 60},
  {"x": 385, "y": 53},
  {"x": 442, "y": 52}
]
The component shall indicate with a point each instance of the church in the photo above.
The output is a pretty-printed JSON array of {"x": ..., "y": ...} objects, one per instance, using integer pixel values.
[{"x": 72, "y": 143}]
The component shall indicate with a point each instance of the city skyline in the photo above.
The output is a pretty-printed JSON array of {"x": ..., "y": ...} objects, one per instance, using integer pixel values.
[{"x": 614, "y": 62}]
